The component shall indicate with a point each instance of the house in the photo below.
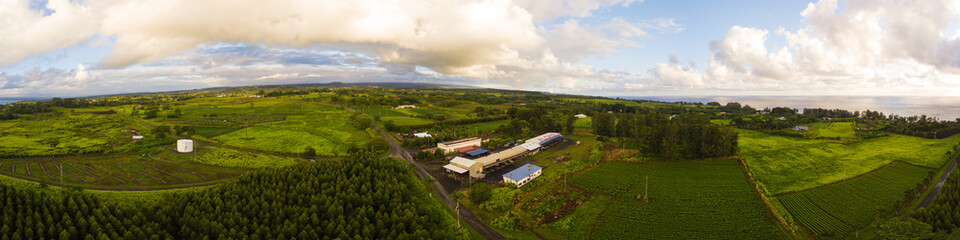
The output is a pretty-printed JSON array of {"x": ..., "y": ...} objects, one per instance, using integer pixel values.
[
  {"x": 801, "y": 128},
  {"x": 781, "y": 118},
  {"x": 523, "y": 175},
  {"x": 422, "y": 135},
  {"x": 580, "y": 115},
  {"x": 405, "y": 106},
  {"x": 137, "y": 137}
]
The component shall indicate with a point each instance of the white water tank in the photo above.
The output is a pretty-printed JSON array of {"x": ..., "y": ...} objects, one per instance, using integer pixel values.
[{"x": 184, "y": 145}]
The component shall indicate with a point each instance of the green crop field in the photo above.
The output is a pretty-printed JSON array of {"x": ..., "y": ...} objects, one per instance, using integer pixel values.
[
  {"x": 787, "y": 164},
  {"x": 72, "y": 134},
  {"x": 688, "y": 200},
  {"x": 329, "y": 134},
  {"x": 838, "y": 130},
  {"x": 721, "y": 122},
  {"x": 117, "y": 171},
  {"x": 839, "y": 209},
  {"x": 406, "y": 121},
  {"x": 381, "y": 112},
  {"x": 209, "y": 132},
  {"x": 233, "y": 158}
]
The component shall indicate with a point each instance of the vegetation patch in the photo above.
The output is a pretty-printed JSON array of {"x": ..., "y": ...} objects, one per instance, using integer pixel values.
[
  {"x": 839, "y": 209},
  {"x": 786, "y": 164},
  {"x": 692, "y": 199}
]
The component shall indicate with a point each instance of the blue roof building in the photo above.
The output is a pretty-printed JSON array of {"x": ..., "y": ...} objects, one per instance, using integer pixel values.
[{"x": 523, "y": 175}]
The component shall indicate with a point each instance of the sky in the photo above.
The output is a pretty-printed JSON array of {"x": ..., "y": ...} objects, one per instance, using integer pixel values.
[{"x": 71, "y": 48}]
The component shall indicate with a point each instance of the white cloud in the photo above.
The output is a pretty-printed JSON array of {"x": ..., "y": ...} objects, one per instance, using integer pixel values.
[
  {"x": 866, "y": 47},
  {"x": 549, "y": 10},
  {"x": 25, "y": 32}
]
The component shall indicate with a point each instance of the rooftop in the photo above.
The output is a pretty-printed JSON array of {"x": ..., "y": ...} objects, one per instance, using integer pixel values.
[
  {"x": 460, "y": 140},
  {"x": 522, "y": 172}
]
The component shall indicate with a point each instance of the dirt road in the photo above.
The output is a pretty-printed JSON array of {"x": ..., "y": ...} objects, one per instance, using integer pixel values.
[{"x": 467, "y": 216}]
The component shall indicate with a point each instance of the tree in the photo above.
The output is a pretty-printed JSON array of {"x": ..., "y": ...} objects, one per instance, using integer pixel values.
[
  {"x": 909, "y": 229},
  {"x": 480, "y": 192},
  {"x": 309, "y": 152}
]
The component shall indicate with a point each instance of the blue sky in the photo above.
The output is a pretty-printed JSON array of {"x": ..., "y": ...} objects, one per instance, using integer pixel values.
[{"x": 595, "y": 47}]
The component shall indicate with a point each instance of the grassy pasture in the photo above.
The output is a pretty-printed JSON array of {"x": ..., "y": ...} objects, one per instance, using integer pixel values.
[
  {"x": 721, "y": 122},
  {"x": 688, "y": 200},
  {"x": 842, "y": 130},
  {"x": 329, "y": 134},
  {"x": 837, "y": 210},
  {"x": 381, "y": 112},
  {"x": 583, "y": 123},
  {"x": 70, "y": 134},
  {"x": 786, "y": 164},
  {"x": 406, "y": 121},
  {"x": 209, "y": 132}
]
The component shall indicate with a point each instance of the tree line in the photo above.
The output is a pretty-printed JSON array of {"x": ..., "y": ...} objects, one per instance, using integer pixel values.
[
  {"x": 671, "y": 137},
  {"x": 358, "y": 197}
]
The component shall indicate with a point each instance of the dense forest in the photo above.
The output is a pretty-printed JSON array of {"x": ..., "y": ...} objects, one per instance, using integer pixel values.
[
  {"x": 359, "y": 197},
  {"x": 671, "y": 137}
]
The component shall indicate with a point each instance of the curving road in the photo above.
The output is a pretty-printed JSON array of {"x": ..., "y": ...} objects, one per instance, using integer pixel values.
[{"x": 467, "y": 216}]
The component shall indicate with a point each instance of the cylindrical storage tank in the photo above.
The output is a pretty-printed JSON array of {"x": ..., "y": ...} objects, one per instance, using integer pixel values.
[{"x": 184, "y": 145}]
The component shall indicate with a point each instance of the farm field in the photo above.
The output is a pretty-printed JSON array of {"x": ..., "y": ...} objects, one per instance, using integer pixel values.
[
  {"x": 583, "y": 123},
  {"x": 224, "y": 157},
  {"x": 116, "y": 172},
  {"x": 406, "y": 121},
  {"x": 329, "y": 134},
  {"x": 485, "y": 127},
  {"x": 787, "y": 164},
  {"x": 839, "y": 209},
  {"x": 70, "y": 134},
  {"x": 688, "y": 200},
  {"x": 841, "y": 130}
]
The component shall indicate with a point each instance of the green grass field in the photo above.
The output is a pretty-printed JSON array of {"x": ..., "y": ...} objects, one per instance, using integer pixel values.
[
  {"x": 842, "y": 130},
  {"x": 839, "y": 209},
  {"x": 688, "y": 200},
  {"x": 329, "y": 134},
  {"x": 584, "y": 123},
  {"x": 721, "y": 122},
  {"x": 406, "y": 121},
  {"x": 70, "y": 134},
  {"x": 786, "y": 164}
]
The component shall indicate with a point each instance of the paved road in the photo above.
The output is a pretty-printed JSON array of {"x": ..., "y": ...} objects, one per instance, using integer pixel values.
[
  {"x": 936, "y": 189},
  {"x": 467, "y": 216}
]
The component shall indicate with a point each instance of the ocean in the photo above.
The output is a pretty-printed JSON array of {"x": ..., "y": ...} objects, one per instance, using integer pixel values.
[
  {"x": 944, "y": 108},
  {"x": 5, "y": 101}
]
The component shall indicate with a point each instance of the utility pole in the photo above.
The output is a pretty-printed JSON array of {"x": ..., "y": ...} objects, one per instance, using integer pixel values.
[{"x": 646, "y": 186}]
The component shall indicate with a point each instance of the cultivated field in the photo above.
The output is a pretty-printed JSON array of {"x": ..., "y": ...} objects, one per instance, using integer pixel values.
[
  {"x": 688, "y": 200},
  {"x": 839, "y": 209},
  {"x": 70, "y": 134},
  {"x": 329, "y": 134},
  {"x": 116, "y": 171},
  {"x": 788, "y": 164}
]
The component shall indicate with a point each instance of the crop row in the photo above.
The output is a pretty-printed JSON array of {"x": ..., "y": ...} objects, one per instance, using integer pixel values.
[{"x": 840, "y": 208}]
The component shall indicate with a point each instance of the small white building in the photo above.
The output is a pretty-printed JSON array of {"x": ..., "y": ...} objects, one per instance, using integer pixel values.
[
  {"x": 782, "y": 118},
  {"x": 137, "y": 137},
  {"x": 405, "y": 106},
  {"x": 801, "y": 128},
  {"x": 184, "y": 145},
  {"x": 452, "y": 146},
  {"x": 422, "y": 135},
  {"x": 580, "y": 115},
  {"x": 523, "y": 175}
]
